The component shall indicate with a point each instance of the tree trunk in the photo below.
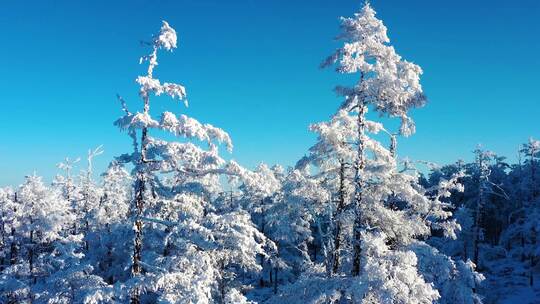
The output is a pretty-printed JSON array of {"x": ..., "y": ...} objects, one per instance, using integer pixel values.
[
  {"x": 531, "y": 270},
  {"x": 222, "y": 281},
  {"x": 86, "y": 244},
  {"x": 476, "y": 237},
  {"x": 31, "y": 253},
  {"x": 13, "y": 248},
  {"x": 533, "y": 176},
  {"x": 136, "y": 268},
  {"x": 3, "y": 229},
  {"x": 522, "y": 247},
  {"x": 263, "y": 224},
  {"x": 341, "y": 204},
  {"x": 13, "y": 245},
  {"x": 359, "y": 187},
  {"x": 478, "y": 209},
  {"x": 531, "y": 258},
  {"x": 323, "y": 247},
  {"x": 275, "y": 279},
  {"x": 393, "y": 145}
]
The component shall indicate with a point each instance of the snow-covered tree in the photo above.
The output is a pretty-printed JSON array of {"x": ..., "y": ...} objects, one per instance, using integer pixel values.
[
  {"x": 386, "y": 83},
  {"x": 291, "y": 217},
  {"x": 389, "y": 210},
  {"x": 333, "y": 155},
  {"x": 44, "y": 244},
  {"x": 90, "y": 194},
  {"x": 10, "y": 213},
  {"x": 259, "y": 190},
  {"x": 192, "y": 251},
  {"x": 66, "y": 182}
]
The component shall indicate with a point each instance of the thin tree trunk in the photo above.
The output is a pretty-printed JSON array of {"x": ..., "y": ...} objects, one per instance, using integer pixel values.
[
  {"x": 136, "y": 268},
  {"x": 522, "y": 247},
  {"x": 13, "y": 246},
  {"x": 275, "y": 279},
  {"x": 275, "y": 268},
  {"x": 323, "y": 243},
  {"x": 2, "y": 260},
  {"x": 31, "y": 253},
  {"x": 393, "y": 145},
  {"x": 533, "y": 175},
  {"x": 339, "y": 209},
  {"x": 263, "y": 224},
  {"x": 476, "y": 238},
  {"x": 359, "y": 188},
  {"x": 110, "y": 279},
  {"x": 86, "y": 244},
  {"x": 222, "y": 282},
  {"x": 531, "y": 270},
  {"x": 478, "y": 211},
  {"x": 531, "y": 259}
]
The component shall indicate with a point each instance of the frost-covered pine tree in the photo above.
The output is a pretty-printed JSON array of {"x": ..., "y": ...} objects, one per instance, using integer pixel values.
[
  {"x": 391, "y": 214},
  {"x": 385, "y": 83},
  {"x": 482, "y": 166},
  {"x": 90, "y": 195},
  {"x": 113, "y": 207},
  {"x": 142, "y": 122},
  {"x": 521, "y": 238},
  {"x": 109, "y": 229},
  {"x": 334, "y": 156},
  {"x": 293, "y": 223},
  {"x": 10, "y": 213},
  {"x": 44, "y": 245},
  {"x": 191, "y": 251},
  {"x": 259, "y": 190},
  {"x": 66, "y": 182}
]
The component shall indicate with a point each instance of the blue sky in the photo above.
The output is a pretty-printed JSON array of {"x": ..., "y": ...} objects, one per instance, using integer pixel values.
[{"x": 251, "y": 67}]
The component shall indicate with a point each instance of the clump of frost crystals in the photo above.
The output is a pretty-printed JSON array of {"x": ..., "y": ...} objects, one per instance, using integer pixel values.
[{"x": 167, "y": 37}]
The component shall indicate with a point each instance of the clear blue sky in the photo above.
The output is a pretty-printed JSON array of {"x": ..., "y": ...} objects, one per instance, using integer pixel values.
[{"x": 251, "y": 67}]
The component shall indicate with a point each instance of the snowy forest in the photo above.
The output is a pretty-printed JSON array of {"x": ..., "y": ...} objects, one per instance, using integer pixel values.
[{"x": 174, "y": 220}]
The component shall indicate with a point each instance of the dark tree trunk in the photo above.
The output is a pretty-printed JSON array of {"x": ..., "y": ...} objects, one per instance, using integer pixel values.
[
  {"x": 222, "y": 287},
  {"x": 86, "y": 244},
  {"x": 13, "y": 245},
  {"x": 275, "y": 279},
  {"x": 393, "y": 145},
  {"x": 13, "y": 248},
  {"x": 339, "y": 209},
  {"x": 478, "y": 210},
  {"x": 168, "y": 246},
  {"x": 522, "y": 247},
  {"x": 3, "y": 231},
  {"x": 263, "y": 224},
  {"x": 531, "y": 271},
  {"x": 136, "y": 268},
  {"x": 531, "y": 258},
  {"x": 533, "y": 175},
  {"x": 31, "y": 253},
  {"x": 359, "y": 188}
]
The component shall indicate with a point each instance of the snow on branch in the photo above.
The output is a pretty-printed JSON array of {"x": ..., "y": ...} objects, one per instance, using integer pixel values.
[{"x": 191, "y": 128}]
